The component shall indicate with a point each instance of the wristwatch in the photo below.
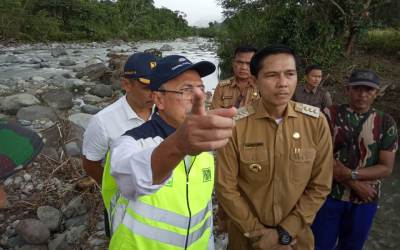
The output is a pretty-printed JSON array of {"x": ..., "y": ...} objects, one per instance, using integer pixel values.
[
  {"x": 354, "y": 174},
  {"x": 284, "y": 237}
]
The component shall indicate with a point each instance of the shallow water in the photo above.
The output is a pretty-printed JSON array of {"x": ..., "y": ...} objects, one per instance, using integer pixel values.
[{"x": 195, "y": 49}]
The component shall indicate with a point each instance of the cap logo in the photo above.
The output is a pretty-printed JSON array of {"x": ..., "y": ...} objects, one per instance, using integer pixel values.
[
  {"x": 153, "y": 65},
  {"x": 180, "y": 65},
  {"x": 181, "y": 59}
]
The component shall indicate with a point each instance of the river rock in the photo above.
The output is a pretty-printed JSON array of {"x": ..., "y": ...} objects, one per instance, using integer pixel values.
[
  {"x": 80, "y": 119},
  {"x": 67, "y": 62},
  {"x": 15, "y": 241},
  {"x": 35, "y": 60},
  {"x": 75, "y": 233},
  {"x": 44, "y": 65},
  {"x": 59, "y": 243},
  {"x": 90, "y": 109},
  {"x": 57, "y": 98},
  {"x": 91, "y": 99},
  {"x": 73, "y": 149},
  {"x": 50, "y": 216},
  {"x": 93, "y": 71},
  {"x": 101, "y": 90},
  {"x": 166, "y": 47},
  {"x": 121, "y": 48},
  {"x": 75, "y": 207},
  {"x": 13, "y": 59},
  {"x": 58, "y": 51},
  {"x": 38, "y": 79},
  {"x": 94, "y": 60},
  {"x": 33, "y": 231},
  {"x": 71, "y": 83},
  {"x": 11, "y": 104},
  {"x": 32, "y": 247},
  {"x": 76, "y": 221}
]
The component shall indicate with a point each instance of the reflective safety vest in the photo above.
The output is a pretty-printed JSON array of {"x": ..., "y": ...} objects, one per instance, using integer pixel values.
[
  {"x": 177, "y": 216},
  {"x": 109, "y": 187}
]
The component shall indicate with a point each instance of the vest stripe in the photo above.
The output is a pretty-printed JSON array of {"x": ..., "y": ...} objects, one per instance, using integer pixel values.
[
  {"x": 171, "y": 218},
  {"x": 165, "y": 236}
]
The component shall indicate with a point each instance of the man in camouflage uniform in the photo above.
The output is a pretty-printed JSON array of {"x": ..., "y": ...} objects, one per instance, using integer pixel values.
[
  {"x": 238, "y": 90},
  {"x": 311, "y": 92},
  {"x": 365, "y": 142}
]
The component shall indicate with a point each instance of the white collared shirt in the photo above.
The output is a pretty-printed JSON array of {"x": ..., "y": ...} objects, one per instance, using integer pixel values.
[{"x": 106, "y": 126}]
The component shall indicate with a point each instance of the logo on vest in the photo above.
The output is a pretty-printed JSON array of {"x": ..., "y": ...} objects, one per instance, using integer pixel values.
[{"x": 206, "y": 174}]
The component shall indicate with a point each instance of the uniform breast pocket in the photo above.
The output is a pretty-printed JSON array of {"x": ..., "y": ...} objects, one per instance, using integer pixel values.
[
  {"x": 227, "y": 101},
  {"x": 301, "y": 162},
  {"x": 254, "y": 163}
]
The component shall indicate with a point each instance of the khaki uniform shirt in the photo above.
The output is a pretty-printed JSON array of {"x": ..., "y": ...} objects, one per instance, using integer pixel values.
[
  {"x": 270, "y": 174},
  {"x": 317, "y": 97},
  {"x": 227, "y": 93}
]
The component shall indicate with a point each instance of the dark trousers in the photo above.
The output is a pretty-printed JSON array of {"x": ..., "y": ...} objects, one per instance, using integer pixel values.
[
  {"x": 342, "y": 225},
  {"x": 106, "y": 224}
]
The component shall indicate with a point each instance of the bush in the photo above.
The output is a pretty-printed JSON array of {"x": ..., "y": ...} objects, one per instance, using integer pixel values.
[
  {"x": 311, "y": 35},
  {"x": 386, "y": 41}
]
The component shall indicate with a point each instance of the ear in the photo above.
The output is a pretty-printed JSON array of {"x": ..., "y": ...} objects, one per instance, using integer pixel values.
[
  {"x": 125, "y": 84},
  {"x": 158, "y": 99},
  {"x": 346, "y": 90}
]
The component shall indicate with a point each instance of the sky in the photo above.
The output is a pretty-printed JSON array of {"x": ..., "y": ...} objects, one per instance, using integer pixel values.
[{"x": 199, "y": 12}]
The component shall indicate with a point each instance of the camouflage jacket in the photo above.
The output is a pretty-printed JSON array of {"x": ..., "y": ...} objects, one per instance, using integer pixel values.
[{"x": 357, "y": 140}]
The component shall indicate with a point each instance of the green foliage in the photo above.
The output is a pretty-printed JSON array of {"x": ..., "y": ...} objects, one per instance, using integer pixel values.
[
  {"x": 385, "y": 41},
  {"x": 47, "y": 20},
  {"x": 320, "y": 31},
  {"x": 283, "y": 22},
  {"x": 10, "y": 18}
]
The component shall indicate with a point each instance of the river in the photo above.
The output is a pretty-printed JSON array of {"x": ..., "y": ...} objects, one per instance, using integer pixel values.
[{"x": 194, "y": 48}]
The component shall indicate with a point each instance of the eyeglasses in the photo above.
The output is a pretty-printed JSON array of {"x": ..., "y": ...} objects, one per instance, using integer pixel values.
[{"x": 186, "y": 93}]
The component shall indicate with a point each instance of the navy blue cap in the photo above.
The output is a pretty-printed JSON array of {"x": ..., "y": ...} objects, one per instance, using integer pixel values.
[
  {"x": 172, "y": 66},
  {"x": 139, "y": 66},
  {"x": 364, "y": 77}
]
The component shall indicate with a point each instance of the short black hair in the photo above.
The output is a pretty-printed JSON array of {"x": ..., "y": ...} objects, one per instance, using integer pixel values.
[
  {"x": 255, "y": 64},
  {"x": 311, "y": 67},
  {"x": 244, "y": 49}
]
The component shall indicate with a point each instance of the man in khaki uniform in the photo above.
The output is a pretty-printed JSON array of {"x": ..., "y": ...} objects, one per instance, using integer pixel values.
[
  {"x": 276, "y": 170},
  {"x": 311, "y": 92},
  {"x": 238, "y": 90}
]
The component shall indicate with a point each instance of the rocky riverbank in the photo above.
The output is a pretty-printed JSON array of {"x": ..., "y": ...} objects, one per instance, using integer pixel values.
[{"x": 54, "y": 89}]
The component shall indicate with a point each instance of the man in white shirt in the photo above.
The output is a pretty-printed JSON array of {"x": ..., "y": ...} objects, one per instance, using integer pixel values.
[
  {"x": 130, "y": 111},
  {"x": 162, "y": 174}
]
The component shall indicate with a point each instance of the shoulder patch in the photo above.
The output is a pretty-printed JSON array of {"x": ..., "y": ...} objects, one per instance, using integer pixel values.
[
  {"x": 307, "y": 109},
  {"x": 243, "y": 112},
  {"x": 225, "y": 82}
]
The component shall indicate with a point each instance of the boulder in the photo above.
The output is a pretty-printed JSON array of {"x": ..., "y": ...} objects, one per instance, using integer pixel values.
[
  {"x": 90, "y": 109},
  {"x": 75, "y": 207},
  {"x": 93, "y": 71},
  {"x": 58, "y": 51},
  {"x": 67, "y": 62},
  {"x": 59, "y": 99},
  {"x": 92, "y": 99},
  {"x": 50, "y": 216},
  {"x": 166, "y": 47},
  {"x": 80, "y": 119},
  {"x": 13, "y": 59},
  {"x": 33, "y": 231},
  {"x": 101, "y": 90},
  {"x": 11, "y": 104}
]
